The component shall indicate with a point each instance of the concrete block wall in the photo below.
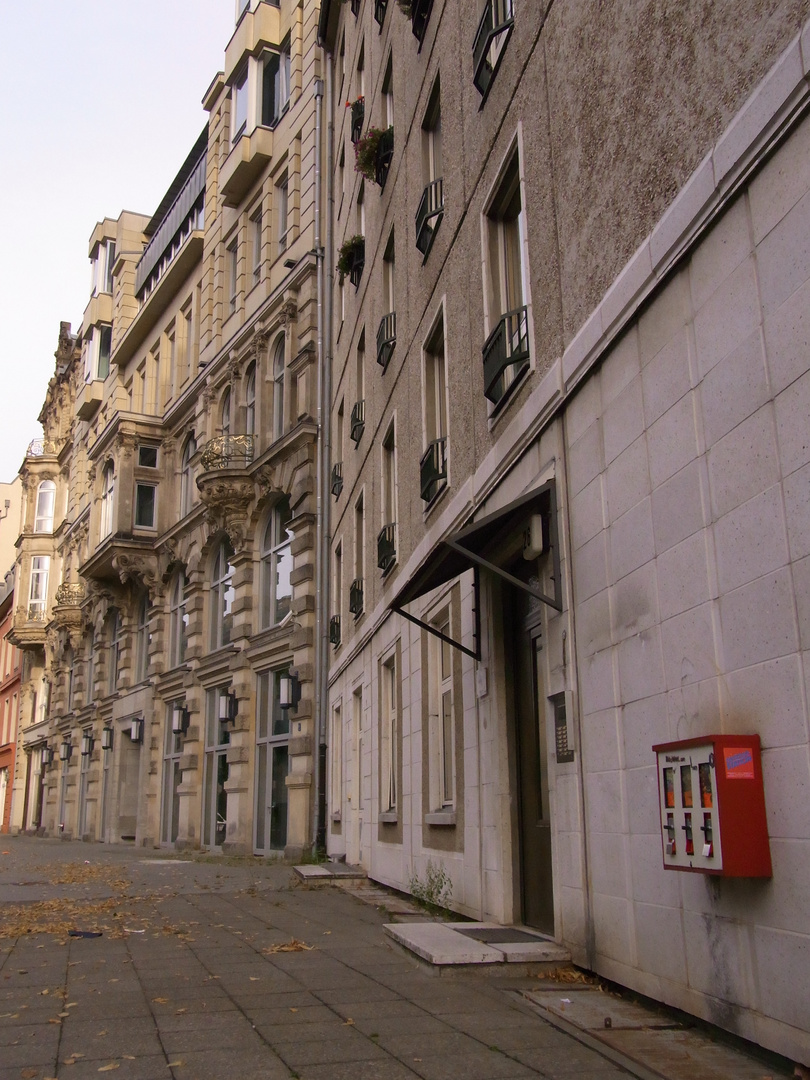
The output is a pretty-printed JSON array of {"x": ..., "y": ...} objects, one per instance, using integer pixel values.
[{"x": 688, "y": 461}]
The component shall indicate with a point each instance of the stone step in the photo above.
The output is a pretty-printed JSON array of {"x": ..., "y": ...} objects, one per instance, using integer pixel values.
[{"x": 468, "y": 943}]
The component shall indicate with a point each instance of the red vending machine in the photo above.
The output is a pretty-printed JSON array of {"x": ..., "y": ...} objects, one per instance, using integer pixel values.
[{"x": 712, "y": 804}]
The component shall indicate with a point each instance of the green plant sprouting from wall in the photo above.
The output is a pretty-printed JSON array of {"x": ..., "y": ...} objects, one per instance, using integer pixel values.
[{"x": 435, "y": 891}]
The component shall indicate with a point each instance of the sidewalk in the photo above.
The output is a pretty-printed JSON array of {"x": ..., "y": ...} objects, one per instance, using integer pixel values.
[{"x": 224, "y": 969}]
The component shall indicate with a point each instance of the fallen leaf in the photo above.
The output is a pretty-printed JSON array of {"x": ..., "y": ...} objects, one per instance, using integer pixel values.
[
  {"x": 254, "y": 978},
  {"x": 293, "y": 1010},
  {"x": 127, "y": 1057},
  {"x": 173, "y": 1064},
  {"x": 42, "y": 993},
  {"x": 101, "y": 1033},
  {"x": 54, "y": 1020},
  {"x": 161, "y": 1001},
  {"x": 179, "y": 1011},
  {"x": 110, "y": 1067},
  {"x": 64, "y": 1014},
  {"x": 28, "y": 1073},
  {"x": 348, "y": 1021}
]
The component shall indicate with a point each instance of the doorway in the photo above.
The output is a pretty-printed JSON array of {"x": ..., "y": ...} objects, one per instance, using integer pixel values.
[
  {"x": 272, "y": 766},
  {"x": 524, "y": 617}
]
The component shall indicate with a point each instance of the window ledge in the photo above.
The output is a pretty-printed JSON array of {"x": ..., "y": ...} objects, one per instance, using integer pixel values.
[
  {"x": 389, "y": 817},
  {"x": 441, "y": 817}
]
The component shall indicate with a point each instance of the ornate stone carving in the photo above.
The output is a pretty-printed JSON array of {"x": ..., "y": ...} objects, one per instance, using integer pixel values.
[
  {"x": 141, "y": 568},
  {"x": 227, "y": 500},
  {"x": 267, "y": 479},
  {"x": 125, "y": 442},
  {"x": 288, "y": 313}
]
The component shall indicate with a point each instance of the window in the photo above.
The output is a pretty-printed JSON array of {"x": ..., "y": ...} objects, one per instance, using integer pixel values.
[
  {"x": 90, "y": 668},
  {"x": 386, "y": 540},
  {"x": 388, "y": 94},
  {"x": 38, "y": 594},
  {"x": 277, "y": 564},
  {"x": 493, "y": 32},
  {"x": 46, "y": 498},
  {"x": 147, "y": 457},
  {"x": 335, "y": 785},
  {"x": 98, "y": 344},
  {"x": 441, "y": 717},
  {"x": 278, "y": 389},
  {"x": 239, "y": 104},
  {"x": 71, "y": 682},
  {"x": 178, "y": 620},
  {"x": 250, "y": 401},
  {"x": 101, "y": 267},
  {"x": 358, "y": 418},
  {"x": 230, "y": 270},
  {"x": 116, "y": 638},
  {"x": 431, "y": 205},
  {"x": 222, "y": 596},
  {"x": 225, "y": 413},
  {"x": 357, "y": 724},
  {"x": 337, "y": 595},
  {"x": 389, "y": 734},
  {"x": 256, "y": 244},
  {"x": 107, "y": 497},
  {"x": 275, "y": 84},
  {"x": 187, "y": 476},
  {"x": 188, "y": 340},
  {"x": 506, "y": 350},
  {"x": 387, "y": 330},
  {"x": 433, "y": 465},
  {"x": 272, "y": 764},
  {"x": 145, "y": 504},
  {"x": 282, "y": 203},
  {"x": 143, "y": 639},
  {"x": 356, "y": 590}
]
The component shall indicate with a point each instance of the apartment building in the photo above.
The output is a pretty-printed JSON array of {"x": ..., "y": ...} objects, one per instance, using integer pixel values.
[
  {"x": 168, "y": 547},
  {"x": 10, "y": 670},
  {"x": 567, "y": 426}
]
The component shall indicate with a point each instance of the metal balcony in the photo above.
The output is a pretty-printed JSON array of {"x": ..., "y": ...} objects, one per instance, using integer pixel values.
[
  {"x": 358, "y": 262},
  {"x": 356, "y": 597},
  {"x": 70, "y": 594},
  {"x": 37, "y": 614},
  {"x": 358, "y": 114},
  {"x": 385, "y": 153},
  {"x": 358, "y": 421},
  {"x": 386, "y": 339},
  {"x": 490, "y": 40},
  {"x": 429, "y": 216},
  {"x": 379, "y": 11},
  {"x": 336, "y": 485},
  {"x": 506, "y": 354},
  {"x": 334, "y": 630},
  {"x": 228, "y": 452},
  {"x": 41, "y": 448},
  {"x": 387, "y": 547},
  {"x": 420, "y": 15},
  {"x": 355, "y": 8},
  {"x": 433, "y": 469}
]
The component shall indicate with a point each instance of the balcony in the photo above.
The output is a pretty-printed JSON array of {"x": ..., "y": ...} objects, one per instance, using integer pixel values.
[
  {"x": 386, "y": 339},
  {"x": 358, "y": 421},
  {"x": 420, "y": 16},
  {"x": 429, "y": 216},
  {"x": 387, "y": 547},
  {"x": 336, "y": 484},
  {"x": 379, "y": 11},
  {"x": 67, "y": 613},
  {"x": 491, "y": 37},
  {"x": 28, "y": 627},
  {"x": 506, "y": 354},
  {"x": 334, "y": 630},
  {"x": 385, "y": 153},
  {"x": 37, "y": 614},
  {"x": 248, "y": 157},
  {"x": 433, "y": 469},
  {"x": 352, "y": 258},
  {"x": 88, "y": 399},
  {"x": 355, "y": 5},
  {"x": 358, "y": 108},
  {"x": 42, "y": 448},
  {"x": 356, "y": 597},
  {"x": 228, "y": 452}
]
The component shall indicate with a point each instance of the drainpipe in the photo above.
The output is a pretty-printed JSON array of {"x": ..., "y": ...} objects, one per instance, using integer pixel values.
[{"x": 323, "y": 458}]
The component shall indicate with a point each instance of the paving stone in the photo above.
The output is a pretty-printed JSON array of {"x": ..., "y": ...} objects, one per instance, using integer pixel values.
[
  {"x": 360, "y": 1070},
  {"x": 483, "y": 1065}
]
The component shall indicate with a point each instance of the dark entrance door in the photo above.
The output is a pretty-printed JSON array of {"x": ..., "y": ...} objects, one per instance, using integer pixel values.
[{"x": 532, "y": 762}]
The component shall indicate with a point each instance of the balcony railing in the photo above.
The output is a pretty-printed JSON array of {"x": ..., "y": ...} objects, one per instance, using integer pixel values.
[
  {"x": 506, "y": 354},
  {"x": 336, "y": 485},
  {"x": 37, "y": 614},
  {"x": 386, "y": 339},
  {"x": 379, "y": 11},
  {"x": 420, "y": 15},
  {"x": 356, "y": 597},
  {"x": 358, "y": 421},
  {"x": 385, "y": 152},
  {"x": 228, "y": 452},
  {"x": 41, "y": 448},
  {"x": 70, "y": 594},
  {"x": 490, "y": 39},
  {"x": 433, "y": 469},
  {"x": 334, "y": 630},
  {"x": 429, "y": 216},
  {"x": 358, "y": 114},
  {"x": 387, "y": 547},
  {"x": 355, "y": 8},
  {"x": 358, "y": 262}
]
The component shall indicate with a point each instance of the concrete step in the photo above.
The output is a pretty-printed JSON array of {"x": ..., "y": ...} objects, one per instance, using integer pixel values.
[{"x": 468, "y": 943}]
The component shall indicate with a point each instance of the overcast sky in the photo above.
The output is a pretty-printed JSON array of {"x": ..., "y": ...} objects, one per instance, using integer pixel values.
[{"x": 101, "y": 105}]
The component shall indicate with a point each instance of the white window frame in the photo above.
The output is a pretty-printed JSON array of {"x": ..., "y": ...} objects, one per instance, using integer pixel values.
[
  {"x": 441, "y": 712},
  {"x": 139, "y": 484},
  {"x": 106, "y": 520},
  {"x": 389, "y": 735},
  {"x": 221, "y": 595},
  {"x": 45, "y": 507},
  {"x": 276, "y": 560},
  {"x": 38, "y": 586}
]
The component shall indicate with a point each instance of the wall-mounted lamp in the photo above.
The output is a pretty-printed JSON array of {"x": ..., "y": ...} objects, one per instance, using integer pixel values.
[
  {"x": 87, "y": 743},
  {"x": 289, "y": 691},
  {"x": 136, "y": 729},
  {"x": 46, "y": 756},
  {"x": 65, "y": 750},
  {"x": 228, "y": 707},
  {"x": 106, "y": 738},
  {"x": 180, "y": 718}
]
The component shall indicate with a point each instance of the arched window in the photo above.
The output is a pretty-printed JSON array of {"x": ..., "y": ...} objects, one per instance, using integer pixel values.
[
  {"x": 222, "y": 596},
  {"x": 178, "y": 620},
  {"x": 90, "y": 668},
  {"x": 143, "y": 639},
  {"x": 116, "y": 641},
  {"x": 250, "y": 401},
  {"x": 107, "y": 494},
  {"x": 46, "y": 497},
  {"x": 277, "y": 564},
  {"x": 278, "y": 389},
  {"x": 226, "y": 413},
  {"x": 187, "y": 476}
]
